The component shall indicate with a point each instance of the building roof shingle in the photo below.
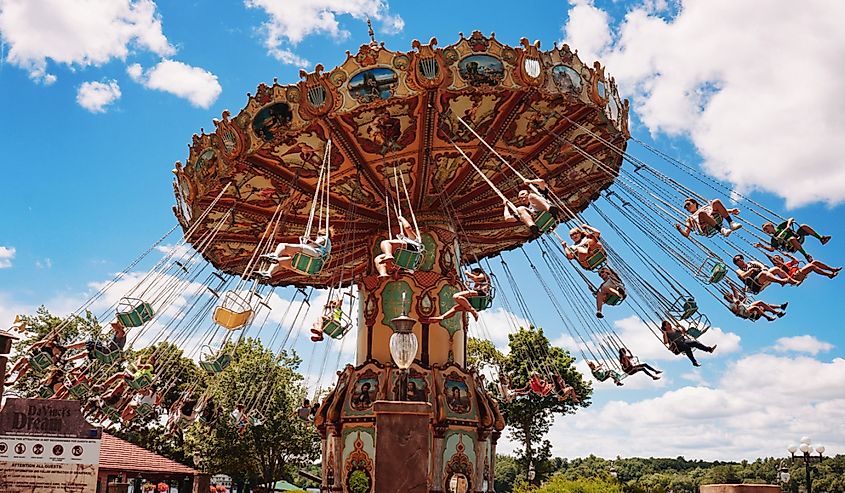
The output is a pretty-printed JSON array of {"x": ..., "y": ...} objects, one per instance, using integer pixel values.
[{"x": 121, "y": 455}]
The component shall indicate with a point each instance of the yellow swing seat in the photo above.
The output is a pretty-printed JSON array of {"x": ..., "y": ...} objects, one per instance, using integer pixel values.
[
  {"x": 132, "y": 312},
  {"x": 233, "y": 312},
  {"x": 306, "y": 264}
]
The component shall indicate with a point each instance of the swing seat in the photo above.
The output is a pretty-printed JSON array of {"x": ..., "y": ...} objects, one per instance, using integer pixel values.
[
  {"x": 545, "y": 221},
  {"x": 106, "y": 358},
  {"x": 218, "y": 364},
  {"x": 335, "y": 328},
  {"x": 717, "y": 273},
  {"x": 480, "y": 303},
  {"x": 132, "y": 312},
  {"x": 41, "y": 361},
  {"x": 140, "y": 381},
  {"x": 144, "y": 410},
  {"x": 80, "y": 390},
  {"x": 596, "y": 259},
  {"x": 407, "y": 259},
  {"x": 233, "y": 312},
  {"x": 613, "y": 300},
  {"x": 307, "y": 264},
  {"x": 111, "y": 413},
  {"x": 684, "y": 308},
  {"x": 46, "y": 392},
  {"x": 256, "y": 418},
  {"x": 698, "y": 326},
  {"x": 709, "y": 231}
]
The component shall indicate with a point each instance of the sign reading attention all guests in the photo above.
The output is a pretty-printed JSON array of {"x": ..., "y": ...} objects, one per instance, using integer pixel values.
[{"x": 48, "y": 447}]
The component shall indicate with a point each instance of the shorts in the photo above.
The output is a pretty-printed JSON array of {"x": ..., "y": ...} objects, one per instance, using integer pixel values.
[{"x": 309, "y": 250}]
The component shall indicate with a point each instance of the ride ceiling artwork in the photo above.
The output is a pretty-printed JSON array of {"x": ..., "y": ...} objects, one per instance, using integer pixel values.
[{"x": 398, "y": 114}]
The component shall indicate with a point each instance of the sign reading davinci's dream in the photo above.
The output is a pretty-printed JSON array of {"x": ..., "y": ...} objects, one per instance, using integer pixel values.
[{"x": 47, "y": 446}]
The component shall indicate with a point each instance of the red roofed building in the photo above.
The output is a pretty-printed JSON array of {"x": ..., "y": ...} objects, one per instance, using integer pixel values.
[{"x": 123, "y": 462}]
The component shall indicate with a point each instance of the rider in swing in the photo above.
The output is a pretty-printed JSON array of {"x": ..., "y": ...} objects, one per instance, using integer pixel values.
[
  {"x": 708, "y": 217},
  {"x": 530, "y": 204},
  {"x": 480, "y": 287},
  {"x": 319, "y": 247},
  {"x": 406, "y": 238}
]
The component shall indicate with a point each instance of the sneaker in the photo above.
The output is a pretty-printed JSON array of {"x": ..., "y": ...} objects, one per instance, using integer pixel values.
[
  {"x": 726, "y": 232},
  {"x": 262, "y": 274},
  {"x": 535, "y": 230},
  {"x": 696, "y": 363},
  {"x": 599, "y": 315},
  {"x": 825, "y": 239},
  {"x": 712, "y": 348},
  {"x": 780, "y": 314},
  {"x": 735, "y": 226},
  {"x": 270, "y": 257},
  {"x": 784, "y": 305}
]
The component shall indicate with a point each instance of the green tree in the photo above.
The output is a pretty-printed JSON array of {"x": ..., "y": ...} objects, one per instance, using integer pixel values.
[
  {"x": 530, "y": 417},
  {"x": 271, "y": 390},
  {"x": 560, "y": 484}
]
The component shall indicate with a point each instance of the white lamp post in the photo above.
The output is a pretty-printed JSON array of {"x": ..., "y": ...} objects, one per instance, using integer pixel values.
[
  {"x": 403, "y": 347},
  {"x": 806, "y": 450}
]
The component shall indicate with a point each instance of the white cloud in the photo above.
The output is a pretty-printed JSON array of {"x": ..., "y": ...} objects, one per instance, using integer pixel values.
[
  {"x": 6, "y": 256},
  {"x": 802, "y": 344},
  {"x": 290, "y": 21},
  {"x": 47, "y": 263},
  {"x": 95, "y": 96},
  {"x": 195, "y": 84},
  {"x": 648, "y": 347},
  {"x": 753, "y": 105},
  {"x": 78, "y": 32},
  {"x": 750, "y": 412}
]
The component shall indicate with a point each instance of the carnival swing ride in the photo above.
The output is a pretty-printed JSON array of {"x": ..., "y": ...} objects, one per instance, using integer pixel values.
[{"x": 406, "y": 185}]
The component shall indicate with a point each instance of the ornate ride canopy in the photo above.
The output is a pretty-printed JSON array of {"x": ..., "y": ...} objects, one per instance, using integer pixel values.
[{"x": 387, "y": 111}]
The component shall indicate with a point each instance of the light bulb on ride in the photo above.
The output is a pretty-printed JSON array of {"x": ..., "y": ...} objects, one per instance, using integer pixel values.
[
  {"x": 804, "y": 448},
  {"x": 403, "y": 342},
  {"x": 792, "y": 449},
  {"x": 820, "y": 449}
]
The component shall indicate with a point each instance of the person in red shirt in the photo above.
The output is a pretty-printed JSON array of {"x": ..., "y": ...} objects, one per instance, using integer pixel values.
[{"x": 798, "y": 272}]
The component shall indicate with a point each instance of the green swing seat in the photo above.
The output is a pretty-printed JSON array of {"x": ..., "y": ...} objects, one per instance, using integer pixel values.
[
  {"x": 546, "y": 221},
  {"x": 335, "y": 328},
  {"x": 106, "y": 358},
  {"x": 144, "y": 410},
  {"x": 408, "y": 259},
  {"x": 712, "y": 270},
  {"x": 708, "y": 231},
  {"x": 481, "y": 303},
  {"x": 112, "y": 413},
  {"x": 596, "y": 260},
  {"x": 218, "y": 364},
  {"x": 698, "y": 326},
  {"x": 132, "y": 312},
  {"x": 613, "y": 300},
  {"x": 685, "y": 307},
  {"x": 717, "y": 273},
  {"x": 41, "y": 361},
  {"x": 307, "y": 264},
  {"x": 140, "y": 380},
  {"x": 46, "y": 392},
  {"x": 80, "y": 390}
]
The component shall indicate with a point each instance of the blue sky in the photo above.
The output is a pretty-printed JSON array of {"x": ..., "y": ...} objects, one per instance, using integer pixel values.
[{"x": 95, "y": 115}]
